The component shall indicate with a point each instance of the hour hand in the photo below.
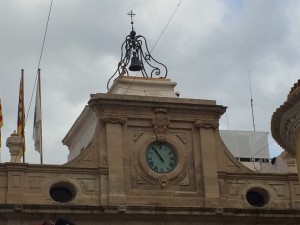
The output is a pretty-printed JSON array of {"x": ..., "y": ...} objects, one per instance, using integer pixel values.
[{"x": 158, "y": 155}]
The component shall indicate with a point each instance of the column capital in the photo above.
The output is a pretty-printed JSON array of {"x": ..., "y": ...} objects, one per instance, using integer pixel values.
[
  {"x": 207, "y": 123},
  {"x": 113, "y": 118}
]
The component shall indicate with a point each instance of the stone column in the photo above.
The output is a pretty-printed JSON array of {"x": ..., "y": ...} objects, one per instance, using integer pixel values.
[
  {"x": 15, "y": 144},
  {"x": 114, "y": 141},
  {"x": 209, "y": 161}
]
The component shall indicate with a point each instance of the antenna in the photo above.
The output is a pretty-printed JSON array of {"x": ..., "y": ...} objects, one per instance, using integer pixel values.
[{"x": 251, "y": 101}]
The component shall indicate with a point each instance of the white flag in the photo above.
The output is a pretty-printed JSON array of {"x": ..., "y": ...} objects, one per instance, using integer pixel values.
[{"x": 37, "y": 124}]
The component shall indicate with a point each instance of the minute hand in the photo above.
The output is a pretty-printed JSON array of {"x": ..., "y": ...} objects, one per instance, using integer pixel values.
[{"x": 158, "y": 155}]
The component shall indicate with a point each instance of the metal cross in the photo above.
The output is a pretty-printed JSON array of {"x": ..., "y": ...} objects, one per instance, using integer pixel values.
[{"x": 131, "y": 14}]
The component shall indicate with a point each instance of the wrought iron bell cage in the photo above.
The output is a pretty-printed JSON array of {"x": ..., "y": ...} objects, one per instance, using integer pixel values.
[{"x": 135, "y": 51}]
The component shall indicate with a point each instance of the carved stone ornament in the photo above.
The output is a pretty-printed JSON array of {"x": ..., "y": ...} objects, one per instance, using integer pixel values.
[
  {"x": 140, "y": 179},
  {"x": 163, "y": 180},
  {"x": 207, "y": 123},
  {"x": 137, "y": 135},
  {"x": 160, "y": 122},
  {"x": 111, "y": 118},
  {"x": 185, "y": 181},
  {"x": 182, "y": 138}
]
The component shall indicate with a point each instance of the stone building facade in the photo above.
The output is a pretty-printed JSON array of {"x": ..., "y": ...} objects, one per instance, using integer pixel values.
[{"x": 141, "y": 155}]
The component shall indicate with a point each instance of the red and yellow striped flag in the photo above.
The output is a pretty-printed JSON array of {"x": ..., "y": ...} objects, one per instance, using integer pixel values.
[
  {"x": 21, "y": 114},
  {"x": 1, "y": 122}
]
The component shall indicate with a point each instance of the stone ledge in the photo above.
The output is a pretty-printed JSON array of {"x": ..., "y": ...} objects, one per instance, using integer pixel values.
[{"x": 91, "y": 213}]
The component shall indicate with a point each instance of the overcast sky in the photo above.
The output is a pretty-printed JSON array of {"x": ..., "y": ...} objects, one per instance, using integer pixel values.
[{"x": 207, "y": 47}]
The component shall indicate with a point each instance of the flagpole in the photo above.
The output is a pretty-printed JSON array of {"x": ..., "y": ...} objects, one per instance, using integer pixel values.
[
  {"x": 39, "y": 86},
  {"x": 23, "y": 114},
  {"x": 37, "y": 123}
]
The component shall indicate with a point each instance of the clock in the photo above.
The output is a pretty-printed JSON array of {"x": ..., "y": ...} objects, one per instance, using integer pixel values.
[{"x": 161, "y": 157}]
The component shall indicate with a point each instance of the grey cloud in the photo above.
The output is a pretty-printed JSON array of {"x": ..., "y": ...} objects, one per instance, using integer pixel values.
[{"x": 207, "y": 47}]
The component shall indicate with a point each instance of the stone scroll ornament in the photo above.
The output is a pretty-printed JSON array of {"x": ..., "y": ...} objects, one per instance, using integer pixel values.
[
  {"x": 160, "y": 122},
  {"x": 207, "y": 123},
  {"x": 111, "y": 118}
]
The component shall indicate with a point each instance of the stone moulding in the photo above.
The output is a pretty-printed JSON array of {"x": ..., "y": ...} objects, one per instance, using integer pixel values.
[
  {"x": 295, "y": 91},
  {"x": 207, "y": 123},
  {"x": 195, "y": 215}
]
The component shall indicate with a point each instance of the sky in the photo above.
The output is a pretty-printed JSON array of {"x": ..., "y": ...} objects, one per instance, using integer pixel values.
[{"x": 209, "y": 47}]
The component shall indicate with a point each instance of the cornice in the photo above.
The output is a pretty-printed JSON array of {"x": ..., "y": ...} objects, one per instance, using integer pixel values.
[
  {"x": 139, "y": 213},
  {"x": 258, "y": 176},
  {"x": 295, "y": 90},
  {"x": 286, "y": 119},
  {"x": 99, "y": 101},
  {"x": 47, "y": 168}
]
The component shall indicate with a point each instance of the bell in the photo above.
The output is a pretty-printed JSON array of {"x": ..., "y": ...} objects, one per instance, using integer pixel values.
[{"x": 136, "y": 64}]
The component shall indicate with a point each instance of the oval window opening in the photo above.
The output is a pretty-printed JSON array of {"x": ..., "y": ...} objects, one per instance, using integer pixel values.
[
  {"x": 257, "y": 197},
  {"x": 62, "y": 192}
]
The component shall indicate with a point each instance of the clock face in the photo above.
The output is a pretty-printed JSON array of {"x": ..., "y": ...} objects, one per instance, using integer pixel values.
[{"x": 161, "y": 157}]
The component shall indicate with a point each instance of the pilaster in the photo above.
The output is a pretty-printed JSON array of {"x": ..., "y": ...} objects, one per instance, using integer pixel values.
[
  {"x": 209, "y": 161},
  {"x": 116, "y": 179}
]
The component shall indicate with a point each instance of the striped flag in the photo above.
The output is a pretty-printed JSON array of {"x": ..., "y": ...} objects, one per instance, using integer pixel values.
[
  {"x": 21, "y": 114},
  {"x": 1, "y": 123},
  {"x": 37, "y": 124}
]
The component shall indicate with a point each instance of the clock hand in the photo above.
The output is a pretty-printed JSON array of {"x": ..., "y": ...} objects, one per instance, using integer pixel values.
[{"x": 158, "y": 155}]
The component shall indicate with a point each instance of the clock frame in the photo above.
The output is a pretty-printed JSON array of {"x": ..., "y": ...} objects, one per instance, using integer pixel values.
[
  {"x": 145, "y": 141},
  {"x": 161, "y": 157}
]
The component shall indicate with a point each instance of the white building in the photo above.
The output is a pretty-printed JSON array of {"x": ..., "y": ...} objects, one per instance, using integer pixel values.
[{"x": 249, "y": 147}]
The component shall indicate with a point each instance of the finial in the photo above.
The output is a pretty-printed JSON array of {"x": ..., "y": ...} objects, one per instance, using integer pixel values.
[
  {"x": 15, "y": 142},
  {"x": 131, "y": 14}
]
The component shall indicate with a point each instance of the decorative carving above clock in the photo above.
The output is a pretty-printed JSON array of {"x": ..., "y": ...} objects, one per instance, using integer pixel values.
[{"x": 160, "y": 122}]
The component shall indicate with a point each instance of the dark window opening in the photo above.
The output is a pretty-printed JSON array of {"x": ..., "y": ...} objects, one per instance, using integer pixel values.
[
  {"x": 257, "y": 197},
  {"x": 62, "y": 192}
]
